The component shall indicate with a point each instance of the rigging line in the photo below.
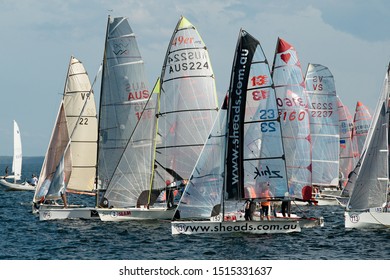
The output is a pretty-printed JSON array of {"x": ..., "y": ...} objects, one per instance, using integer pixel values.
[{"x": 172, "y": 172}]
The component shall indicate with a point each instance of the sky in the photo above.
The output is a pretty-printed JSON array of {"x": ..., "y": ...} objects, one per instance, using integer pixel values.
[{"x": 350, "y": 37}]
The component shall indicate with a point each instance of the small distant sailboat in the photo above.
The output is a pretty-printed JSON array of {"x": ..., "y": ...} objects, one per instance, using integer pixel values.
[
  {"x": 16, "y": 167},
  {"x": 369, "y": 202},
  {"x": 169, "y": 135},
  {"x": 361, "y": 125}
]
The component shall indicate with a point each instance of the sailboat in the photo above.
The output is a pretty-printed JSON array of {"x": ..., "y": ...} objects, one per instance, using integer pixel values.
[
  {"x": 16, "y": 167},
  {"x": 324, "y": 133},
  {"x": 73, "y": 146},
  {"x": 368, "y": 205},
  {"x": 243, "y": 155},
  {"x": 294, "y": 112},
  {"x": 186, "y": 108},
  {"x": 349, "y": 154},
  {"x": 57, "y": 155},
  {"x": 361, "y": 125}
]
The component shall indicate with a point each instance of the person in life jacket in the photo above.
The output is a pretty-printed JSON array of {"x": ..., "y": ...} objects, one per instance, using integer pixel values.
[{"x": 266, "y": 204}]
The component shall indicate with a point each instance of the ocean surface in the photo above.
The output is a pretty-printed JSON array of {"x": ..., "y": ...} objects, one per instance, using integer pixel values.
[{"x": 24, "y": 237}]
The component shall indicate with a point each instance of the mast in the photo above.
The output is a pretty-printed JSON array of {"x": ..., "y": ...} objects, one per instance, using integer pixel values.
[{"x": 104, "y": 64}]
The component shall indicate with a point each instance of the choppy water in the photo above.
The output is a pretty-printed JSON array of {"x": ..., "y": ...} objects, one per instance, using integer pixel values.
[{"x": 24, "y": 237}]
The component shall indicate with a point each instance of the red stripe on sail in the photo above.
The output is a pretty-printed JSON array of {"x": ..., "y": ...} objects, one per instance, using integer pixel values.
[{"x": 283, "y": 46}]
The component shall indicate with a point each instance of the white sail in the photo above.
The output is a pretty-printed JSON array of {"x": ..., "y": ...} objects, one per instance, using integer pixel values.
[
  {"x": 370, "y": 185},
  {"x": 361, "y": 125},
  {"x": 202, "y": 197},
  {"x": 187, "y": 104},
  {"x": 17, "y": 158},
  {"x": 294, "y": 116},
  {"x": 80, "y": 113},
  {"x": 124, "y": 91},
  {"x": 133, "y": 174},
  {"x": 59, "y": 141},
  {"x": 324, "y": 125}
]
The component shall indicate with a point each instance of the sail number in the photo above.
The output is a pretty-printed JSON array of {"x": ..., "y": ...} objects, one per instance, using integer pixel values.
[
  {"x": 267, "y": 114},
  {"x": 191, "y": 60},
  {"x": 321, "y": 110},
  {"x": 292, "y": 115},
  {"x": 83, "y": 121}
]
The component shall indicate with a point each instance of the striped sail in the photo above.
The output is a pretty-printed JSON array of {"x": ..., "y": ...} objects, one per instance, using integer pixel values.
[
  {"x": 124, "y": 91},
  {"x": 348, "y": 146},
  {"x": 80, "y": 113},
  {"x": 294, "y": 116},
  {"x": 324, "y": 125}
]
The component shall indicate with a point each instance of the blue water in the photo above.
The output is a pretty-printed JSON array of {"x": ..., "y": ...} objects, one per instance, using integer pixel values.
[{"x": 24, "y": 237}]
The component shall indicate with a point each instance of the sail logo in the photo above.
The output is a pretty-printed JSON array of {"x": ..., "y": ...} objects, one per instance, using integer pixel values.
[
  {"x": 181, "y": 40},
  {"x": 85, "y": 95},
  {"x": 120, "y": 49},
  {"x": 236, "y": 117},
  {"x": 115, "y": 214},
  {"x": 317, "y": 83},
  {"x": 272, "y": 174}
]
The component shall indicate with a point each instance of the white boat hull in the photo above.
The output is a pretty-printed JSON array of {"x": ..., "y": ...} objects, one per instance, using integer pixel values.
[
  {"x": 53, "y": 212},
  {"x": 8, "y": 186},
  {"x": 372, "y": 218},
  {"x": 256, "y": 227},
  {"x": 309, "y": 222},
  {"x": 127, "y": 214}
]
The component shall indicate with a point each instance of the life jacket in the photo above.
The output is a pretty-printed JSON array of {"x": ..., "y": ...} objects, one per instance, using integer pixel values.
[{"x": 265, "y": 195}]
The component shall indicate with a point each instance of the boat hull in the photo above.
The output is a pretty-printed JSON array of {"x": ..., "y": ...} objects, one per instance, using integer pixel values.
[
  {"x": 8, "y": 186},
  {"x": 307, "y": 222},
  {"x": 325, "y": 201},
  {"x": 372, "y": 218},
  {"x": 61, "y": 213},
  {"x": 253, "y": 227},
  {"x": 127, "y": 214}
]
